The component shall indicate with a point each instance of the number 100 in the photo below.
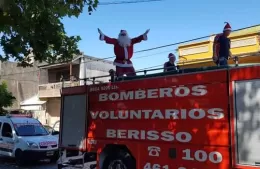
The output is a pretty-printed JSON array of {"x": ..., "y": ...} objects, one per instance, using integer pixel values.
[{"x": 202, "y": 156}]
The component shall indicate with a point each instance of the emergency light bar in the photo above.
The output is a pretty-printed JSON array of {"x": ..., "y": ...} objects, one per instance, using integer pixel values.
[{"x": 19, "y": 115}]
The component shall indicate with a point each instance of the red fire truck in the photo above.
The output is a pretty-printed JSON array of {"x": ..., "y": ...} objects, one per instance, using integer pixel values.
[{"x": 203, "y": 118}]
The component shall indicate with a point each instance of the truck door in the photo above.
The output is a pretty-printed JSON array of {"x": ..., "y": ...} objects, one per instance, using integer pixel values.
[
  {"x": 73, "y": 121},
  {"x": 247, "y": 121}
]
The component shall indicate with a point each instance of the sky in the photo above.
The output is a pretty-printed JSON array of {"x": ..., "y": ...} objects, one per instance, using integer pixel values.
[{"x": 169, "y": 21}]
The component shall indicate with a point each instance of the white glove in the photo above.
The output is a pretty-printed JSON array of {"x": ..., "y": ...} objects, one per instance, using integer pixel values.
[
  {"x": 147, "y": 31},
  {"x": 99, "y": 31}
]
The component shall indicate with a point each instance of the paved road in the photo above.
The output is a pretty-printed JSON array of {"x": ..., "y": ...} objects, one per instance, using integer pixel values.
[{"x": 6, "y": 163}]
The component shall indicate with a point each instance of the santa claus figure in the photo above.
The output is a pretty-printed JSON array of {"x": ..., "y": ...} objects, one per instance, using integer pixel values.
[{"x": 123, "y": 49}]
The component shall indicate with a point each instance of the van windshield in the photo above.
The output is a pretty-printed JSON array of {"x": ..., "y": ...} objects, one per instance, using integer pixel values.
[{"x": 32, "y": 129}]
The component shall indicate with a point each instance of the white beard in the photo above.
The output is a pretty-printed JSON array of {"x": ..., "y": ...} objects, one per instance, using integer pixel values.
[{"x": 124, "y": 41}]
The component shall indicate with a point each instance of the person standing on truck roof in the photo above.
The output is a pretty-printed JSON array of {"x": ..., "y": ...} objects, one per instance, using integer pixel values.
[
  {"x": 221, "y": 47},
  {"x": 170, "y": 65},
  {"x": 123, "y": 49}
]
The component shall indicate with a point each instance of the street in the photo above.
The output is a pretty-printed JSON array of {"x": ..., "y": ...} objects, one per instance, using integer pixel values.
[{"x": 7, "y": 163}]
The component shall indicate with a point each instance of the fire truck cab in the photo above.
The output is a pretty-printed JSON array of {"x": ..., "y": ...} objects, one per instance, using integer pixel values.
[{"x": 186, "y": 119}]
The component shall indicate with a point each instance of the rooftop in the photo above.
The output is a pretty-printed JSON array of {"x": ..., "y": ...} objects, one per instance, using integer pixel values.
[
  {"x": 240, "y": 32},
  {"x": 75, "y": 60}
]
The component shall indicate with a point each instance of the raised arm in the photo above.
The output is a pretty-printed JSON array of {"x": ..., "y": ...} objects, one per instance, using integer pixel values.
[
  {"x": 140, "y": 38},
  {"x": 107, "y": 39},
  {"x": 216, "y": 48}
]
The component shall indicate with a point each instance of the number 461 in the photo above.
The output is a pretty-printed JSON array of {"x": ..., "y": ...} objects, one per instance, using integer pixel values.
[{"x": 155, "y": 166}]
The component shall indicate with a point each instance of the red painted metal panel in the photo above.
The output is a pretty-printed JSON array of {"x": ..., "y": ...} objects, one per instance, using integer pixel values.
[
  {"x": 184, "y": 117},
  {"x": 237, "y": 74},
  {"x": 245, "y": 73},
  {"x": 160, "y": 82}
]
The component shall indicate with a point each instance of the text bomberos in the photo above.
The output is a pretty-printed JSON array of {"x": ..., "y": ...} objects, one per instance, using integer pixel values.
[{"x": 180, "y": 91}]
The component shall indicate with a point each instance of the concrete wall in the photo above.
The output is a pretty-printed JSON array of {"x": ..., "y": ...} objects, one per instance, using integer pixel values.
[
  {"x": 53, "y": 110},
  {"x": 22, "y": 82},
  {"x": 51, "y": 74}
]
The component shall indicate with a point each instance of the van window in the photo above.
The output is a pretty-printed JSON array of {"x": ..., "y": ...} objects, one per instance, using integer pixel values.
[
  {"x": 33, "y": 129},
  {"x": 7, "y": 130}
]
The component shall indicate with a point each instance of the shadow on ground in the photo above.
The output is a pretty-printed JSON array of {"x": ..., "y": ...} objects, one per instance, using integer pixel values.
[{"x": 8, "y": 163}]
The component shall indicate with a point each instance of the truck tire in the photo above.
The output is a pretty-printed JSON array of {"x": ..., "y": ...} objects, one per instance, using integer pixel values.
[
  {"x": 60, "y": 166},
  {"x": 19, "y": 158},
  {"x": 54, "y": 158},
  {"x": 122, "y": 160}
]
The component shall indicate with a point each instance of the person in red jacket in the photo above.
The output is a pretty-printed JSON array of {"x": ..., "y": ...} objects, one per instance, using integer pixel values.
[
  {"x": 123, "y": 49},
  {"x": 221, "y": 46}
]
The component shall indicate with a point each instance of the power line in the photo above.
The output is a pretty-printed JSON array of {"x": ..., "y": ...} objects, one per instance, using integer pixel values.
[
  {"x": 177, "y": 43},
  {"x": 126, "y": 2},
  {"x": 149, "y": 49},
  {"x": 152, "y": 54},
  {"x": 139, "y": 57}
]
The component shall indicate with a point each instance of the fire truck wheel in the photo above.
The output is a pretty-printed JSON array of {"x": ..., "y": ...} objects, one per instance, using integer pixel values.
[{"x": 120, "y": 160}]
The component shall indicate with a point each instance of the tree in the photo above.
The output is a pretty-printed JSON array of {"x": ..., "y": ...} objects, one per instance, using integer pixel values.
[
  {"x": 6, "y": 97},
  {"x": 34, "y": 26}
]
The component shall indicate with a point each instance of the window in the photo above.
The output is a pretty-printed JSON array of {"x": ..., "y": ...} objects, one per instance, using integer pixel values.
[
  {"x": 7, "y": 130},
  {"x": 0, "y": 125},
  {"x": 65, "y": 74},
  {"x": 31, "y": 130}
]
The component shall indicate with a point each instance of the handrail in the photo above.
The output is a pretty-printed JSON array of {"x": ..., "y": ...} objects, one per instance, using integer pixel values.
[
  {"x": 145, "y": 71},
  {"x": 113, "y": 78},
  {"x": 206, "y": 59}
]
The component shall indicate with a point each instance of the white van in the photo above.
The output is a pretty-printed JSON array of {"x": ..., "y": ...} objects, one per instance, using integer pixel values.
[{"x": 25, "y": 139}]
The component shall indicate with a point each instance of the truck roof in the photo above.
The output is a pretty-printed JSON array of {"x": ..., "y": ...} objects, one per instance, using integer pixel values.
[
  {"x": 162, "y": 74},
  {"x": 23, "y": 120},
  {"x": 20, "y": 120}
]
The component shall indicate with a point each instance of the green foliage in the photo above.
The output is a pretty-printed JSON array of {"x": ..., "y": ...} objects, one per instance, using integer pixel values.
[
  {"x": 36, "y": 24},
  {"x": 6, "y": 98}
]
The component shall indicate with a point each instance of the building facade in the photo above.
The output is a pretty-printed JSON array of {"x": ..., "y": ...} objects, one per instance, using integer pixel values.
[
  {"x": 38, "y": 88},
  {"x": 55, "y": 76},
  {"x": 22, "y": 82},
  {"x": 244, "y": 43}
]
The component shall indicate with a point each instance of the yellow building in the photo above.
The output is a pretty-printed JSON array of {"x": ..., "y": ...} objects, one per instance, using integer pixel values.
[{"x": 244, "y": 43}]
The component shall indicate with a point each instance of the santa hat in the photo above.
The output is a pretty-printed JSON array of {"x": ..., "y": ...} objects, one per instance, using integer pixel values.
[
  {"x": 171, "y": 55},
  {"x": 227, "y": 27}
]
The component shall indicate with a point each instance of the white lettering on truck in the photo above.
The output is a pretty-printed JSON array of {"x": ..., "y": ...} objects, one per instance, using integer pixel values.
[
  {"x": 196, "y": 114},
  {"x": 180, "y": 91},
  {"x": 182, "y": 137}
]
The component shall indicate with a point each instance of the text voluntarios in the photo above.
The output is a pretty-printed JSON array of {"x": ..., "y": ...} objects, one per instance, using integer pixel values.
[{"x": 212, "y": 113}]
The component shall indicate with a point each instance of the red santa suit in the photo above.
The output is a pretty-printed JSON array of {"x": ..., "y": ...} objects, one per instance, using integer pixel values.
[{"x": 123, "y": 53}]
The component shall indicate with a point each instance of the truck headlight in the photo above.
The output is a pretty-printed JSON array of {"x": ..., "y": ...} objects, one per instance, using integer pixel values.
[{"x": 32, "y": 144}]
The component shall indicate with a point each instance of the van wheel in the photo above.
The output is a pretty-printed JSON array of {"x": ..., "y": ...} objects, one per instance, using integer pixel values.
[
  {"x": 19, "y": 157},
  {"x": 119, "y": 160},
  {"x": 54, "y": 159}
]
